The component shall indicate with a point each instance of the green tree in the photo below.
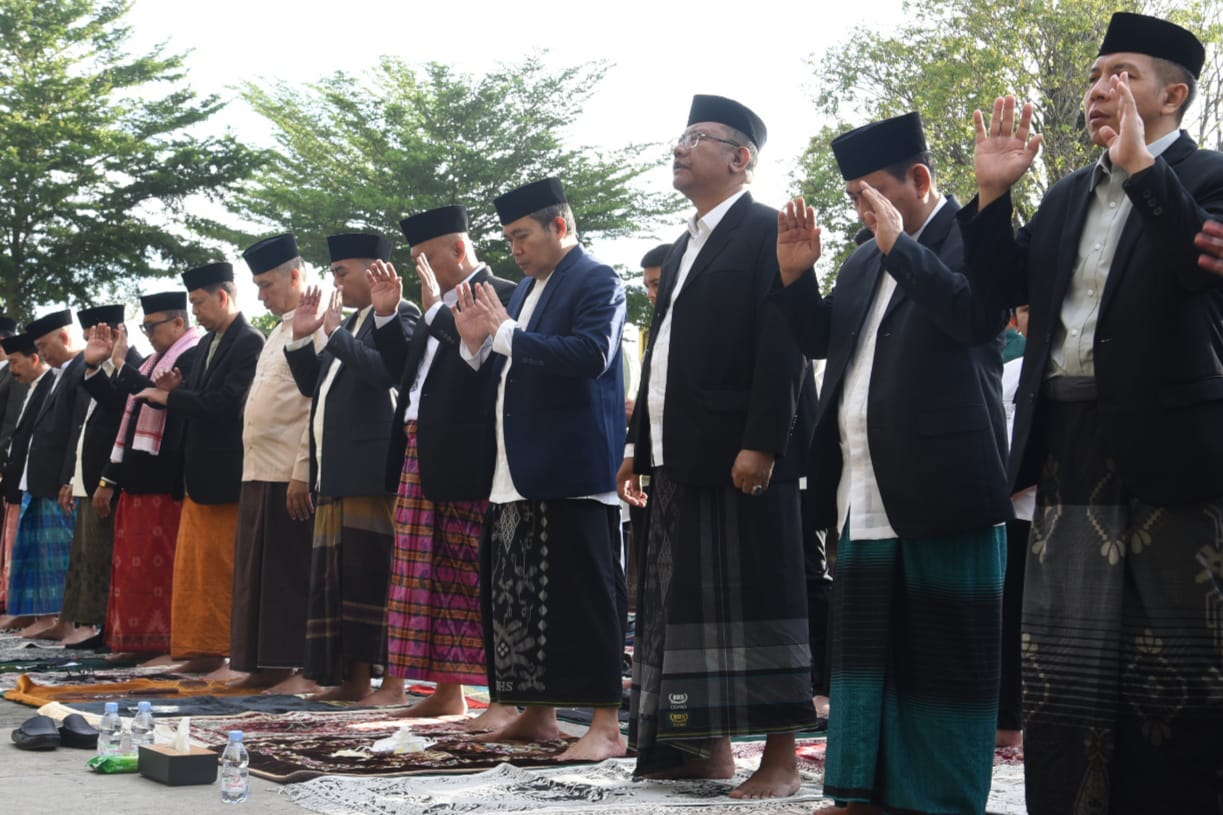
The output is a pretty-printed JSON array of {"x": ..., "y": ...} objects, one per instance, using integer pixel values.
[
  {"x": 951, "y": 57},
  {"x": 98, "y": 156},
  {"x": 362, "y": 152}
]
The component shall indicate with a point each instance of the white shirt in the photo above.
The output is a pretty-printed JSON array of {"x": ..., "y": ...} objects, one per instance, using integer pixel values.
[
  {"x": 699, "y": 230},
  {"x": 858, "y": 497},
  {"x": 78, "y": 475}
]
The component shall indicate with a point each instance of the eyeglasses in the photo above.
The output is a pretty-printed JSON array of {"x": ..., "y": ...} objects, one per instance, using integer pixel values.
[
  {"x": 691, "y": 139},
  {"x": 147, "y": 328}
]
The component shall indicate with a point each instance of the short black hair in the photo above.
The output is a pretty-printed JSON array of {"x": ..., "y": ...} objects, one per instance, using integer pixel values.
[
  {"x": 547, "y": 215},
  {"x": 900, "y": 170},
  {"x": 655, "y": 256},
  {"x": 1169, "y": 73},
  {"x": 225, "y": 285}
]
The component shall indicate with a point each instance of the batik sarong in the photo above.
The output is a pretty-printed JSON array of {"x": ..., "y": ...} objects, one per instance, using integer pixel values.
[
  {"x": 551, "y": 581},
  {"x": 349, "y": 572},
  {"x": 722, "y": 642},
  {"x": 142, "y": 573},
  {"x": 40, "y": 558},
  {"x": 434, "y": 629},
  {"x": 88, "y": 584},
  {"x": 271, "y": 581},
  {"x": 1122, "y": 637},
  {"x": 12, "y": 519}
]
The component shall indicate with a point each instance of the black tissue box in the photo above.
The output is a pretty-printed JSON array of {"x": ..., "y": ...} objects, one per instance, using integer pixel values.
[{"x": 163, "y": 763}]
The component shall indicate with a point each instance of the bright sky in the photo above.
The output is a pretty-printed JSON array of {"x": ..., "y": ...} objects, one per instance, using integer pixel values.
[{"x": 662, "y": 53}]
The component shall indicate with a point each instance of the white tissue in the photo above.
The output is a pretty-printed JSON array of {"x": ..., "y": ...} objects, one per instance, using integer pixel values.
[
  {"x": 181, "y": 743},
  {"x": 402, "y": 742}
]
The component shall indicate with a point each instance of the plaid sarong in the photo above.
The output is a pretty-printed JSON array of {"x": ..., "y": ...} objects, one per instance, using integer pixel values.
[
  {"x": 40, "y": 557},
  {"x": 349, "y": 569},
  {"x": 1122, "y": 637},
  {"x": 434, "y": 630},
  {"x": 722, "y": 641}
]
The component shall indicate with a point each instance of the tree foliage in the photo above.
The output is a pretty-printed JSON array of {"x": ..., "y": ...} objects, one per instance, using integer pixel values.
[
  {"x": 98, "y": 156},
  {"x": 363, "y": 152},
  {"x": 951, "y": 57}
]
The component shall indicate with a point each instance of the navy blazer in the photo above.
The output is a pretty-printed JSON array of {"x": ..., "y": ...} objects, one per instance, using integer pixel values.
[
  {"x": 935, "y": 423},
  {"x": 453, "y": 450},
  {"x": 564, "y": 394},
  {"x": 54, "y": 434},
  {"x": 359, "y": 407},
  {"x": 1158, "y": 344}
]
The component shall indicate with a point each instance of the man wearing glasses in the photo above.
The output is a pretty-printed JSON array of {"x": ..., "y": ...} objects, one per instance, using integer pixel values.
[
  {"x": 143, "y": 470},
  {"x": 724, "y": 592}
]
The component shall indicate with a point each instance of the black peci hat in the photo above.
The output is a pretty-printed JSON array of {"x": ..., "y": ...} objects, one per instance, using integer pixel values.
[
  {"x": 208, "y": 275},
  {"x": 522, "y": 201},
  {"x": 111, "y": 315},
  {"x": 348, "y": 245},
  {"x": 269, "y": 253},
  {"x": 725, "y": 111},
  {"x": 434, "y": 223},
  {"x": 19, "y": 344},
  {"x": 164, "y": 301},
  {"x": 1140, "y": 34},
  {"x": 875, "y": 146},
  {"x": 49, "y": 322}
]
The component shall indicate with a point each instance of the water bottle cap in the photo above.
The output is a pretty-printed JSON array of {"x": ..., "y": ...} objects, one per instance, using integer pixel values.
[
  {"x": 112, "y": 707},
  {"x": 236, "y": 735},
  {"x": 144, "y": 707}
]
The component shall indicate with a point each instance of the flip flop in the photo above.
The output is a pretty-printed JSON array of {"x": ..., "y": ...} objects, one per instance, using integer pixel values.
[
  {"x": 76, "y": 732},
  {"x": 38, "y": 733}
]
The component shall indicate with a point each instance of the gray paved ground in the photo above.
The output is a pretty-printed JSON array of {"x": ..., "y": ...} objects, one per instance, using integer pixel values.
[{"x": 59, "y": 782}]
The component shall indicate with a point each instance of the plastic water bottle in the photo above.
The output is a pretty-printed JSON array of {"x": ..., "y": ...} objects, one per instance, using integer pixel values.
[
  {"x": 235, "y": 785},
  {"x": 142, "y": 726},
  {"x": 110, "y": 731}
]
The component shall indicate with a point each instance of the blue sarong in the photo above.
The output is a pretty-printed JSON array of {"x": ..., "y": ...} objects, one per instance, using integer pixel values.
[{"x": 40, "y": 557}]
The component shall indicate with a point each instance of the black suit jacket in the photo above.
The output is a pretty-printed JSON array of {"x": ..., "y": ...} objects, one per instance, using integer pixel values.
[
  {"x": 935, "y": 423},
  {"x": 734, "y": 374},
  {"x": 101, "y": 428},
  {"x": 14, "y": 464},
  {"x": 211, "y": 400},
  {"x": 141, "y": 473},
  {"x": 12, "y": 394},
  {"x": 55, "y": 431},
  {"x": 360, "y": 405},
  {"x": 1158, "y": 344},
  {"x": 455, "y": 455}
]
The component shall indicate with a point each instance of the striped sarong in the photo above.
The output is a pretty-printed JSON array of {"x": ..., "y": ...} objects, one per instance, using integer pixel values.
[
  {"x": 12, "y": 519},
  {"x": 722, "y": 642},
  {"x": 142, "y": 573},
  {"x": 88, "y": 583},
  {"x": 40, "y": 557},
  {"x": 349, "y": 570},
  {"x": 434, "y": 630},
  {"x": 202, "y": 607},
  {"x": 1122, "y": 637},
  {"x": 916, "y": 629},
  {"x": 271, "y": 580}
]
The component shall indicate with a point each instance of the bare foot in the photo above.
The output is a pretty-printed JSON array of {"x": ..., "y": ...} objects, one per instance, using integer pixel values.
[
  {"x": 495, "y": 717},
  {"x": 295, "y": 684},
  {"x": 81, "y": 634},
  {"x": 1009, "y": 738},
  {"x": 39, "y": 626},
  {"x": 226, "y": 674},
  {"x": 447, "y": 700},
  {"x": 535, "y": 724},
  {"x": 351, "y": 690},
  {"x": 821, "y": 706},
  {"x": 261, "y": 679},
  {"x": 391, "y": 694},
  {"x": 159, "y": 661},
  {"x": 602, "y": 740},
  {"x": 718, "y": 764},
  {"x": 201, "y": 665},
  {"x": 777, "y": 776},
  {"x": 58, "y": 632},
  {"x": 10, "y": 623}
]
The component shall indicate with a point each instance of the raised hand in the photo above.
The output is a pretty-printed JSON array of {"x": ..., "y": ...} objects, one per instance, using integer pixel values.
[
  {"x": 469, "y": 320},
  {"x": 333, "y": 317},
  {"x": 307, "y": 320},
  {"x": 430, "y": 289},
  {"x": 118, "y": 354},
  {"x": 798, "y": 240},
  {"x": 489, "y": 303},
  {"x": 1004, "y": 151},
  {"x": 100, "y": 345},
  {"x": 882, "y": 217},
  {"x": 1210, "y": 241},
  {"x": 168, "y": 380},
  {"x": 385, "y": 288},
  {"x": 1127, "y": 149}
]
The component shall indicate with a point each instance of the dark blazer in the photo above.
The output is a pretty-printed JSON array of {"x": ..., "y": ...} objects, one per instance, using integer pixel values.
[
  {"x": 12, "y": 394},
  {"x": 1158, "y": 344},
  {"x": 141, "y": 473},
  {"x": 360, "y": 405},
  {"x": 935, "y": 423},
  {"x": 564, "y": 393},
  {"x": 211, "y": 400},
  {"x": 54, "y": 435},
  {"x": 14, "y": 463},
  {"x": 455, "y": 457},
  {"x": 100, "y": 429},
  {"x": 734, "y": 375}
]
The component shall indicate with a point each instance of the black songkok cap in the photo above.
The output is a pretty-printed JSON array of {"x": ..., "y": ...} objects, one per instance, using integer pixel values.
[
  {"x": 359, "y": 245},
  {"x": 521, "y": 202},
  {"x": 269, "y": 253},
  {"x": 434, "y": 223},
  {"x": 655, "y": 256},
  {"x": 1140, "y": 34},
  {"x": 19, "y": 344},
  {"x": 8, "y": 326},
  {"x": 48, "y": 323},
  {"x": 875, "y": 146},
  {"x": 208, "y": 275},
  {"x": 164, "y": 301},
  {"x": 111, "y": 315},
  {"x": 730, "y": 113}
]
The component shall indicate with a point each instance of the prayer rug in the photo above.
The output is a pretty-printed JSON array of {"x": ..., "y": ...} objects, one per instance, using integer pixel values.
[{"x": 30, "y": 692}]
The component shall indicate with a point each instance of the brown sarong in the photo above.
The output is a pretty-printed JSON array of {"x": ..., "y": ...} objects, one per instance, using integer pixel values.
[
  {"x": 203, "y": 580},
  {"x": 88, "y": 582}
]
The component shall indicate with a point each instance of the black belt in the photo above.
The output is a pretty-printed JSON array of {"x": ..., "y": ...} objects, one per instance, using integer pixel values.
[{"x": 1070, "y": 389}]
